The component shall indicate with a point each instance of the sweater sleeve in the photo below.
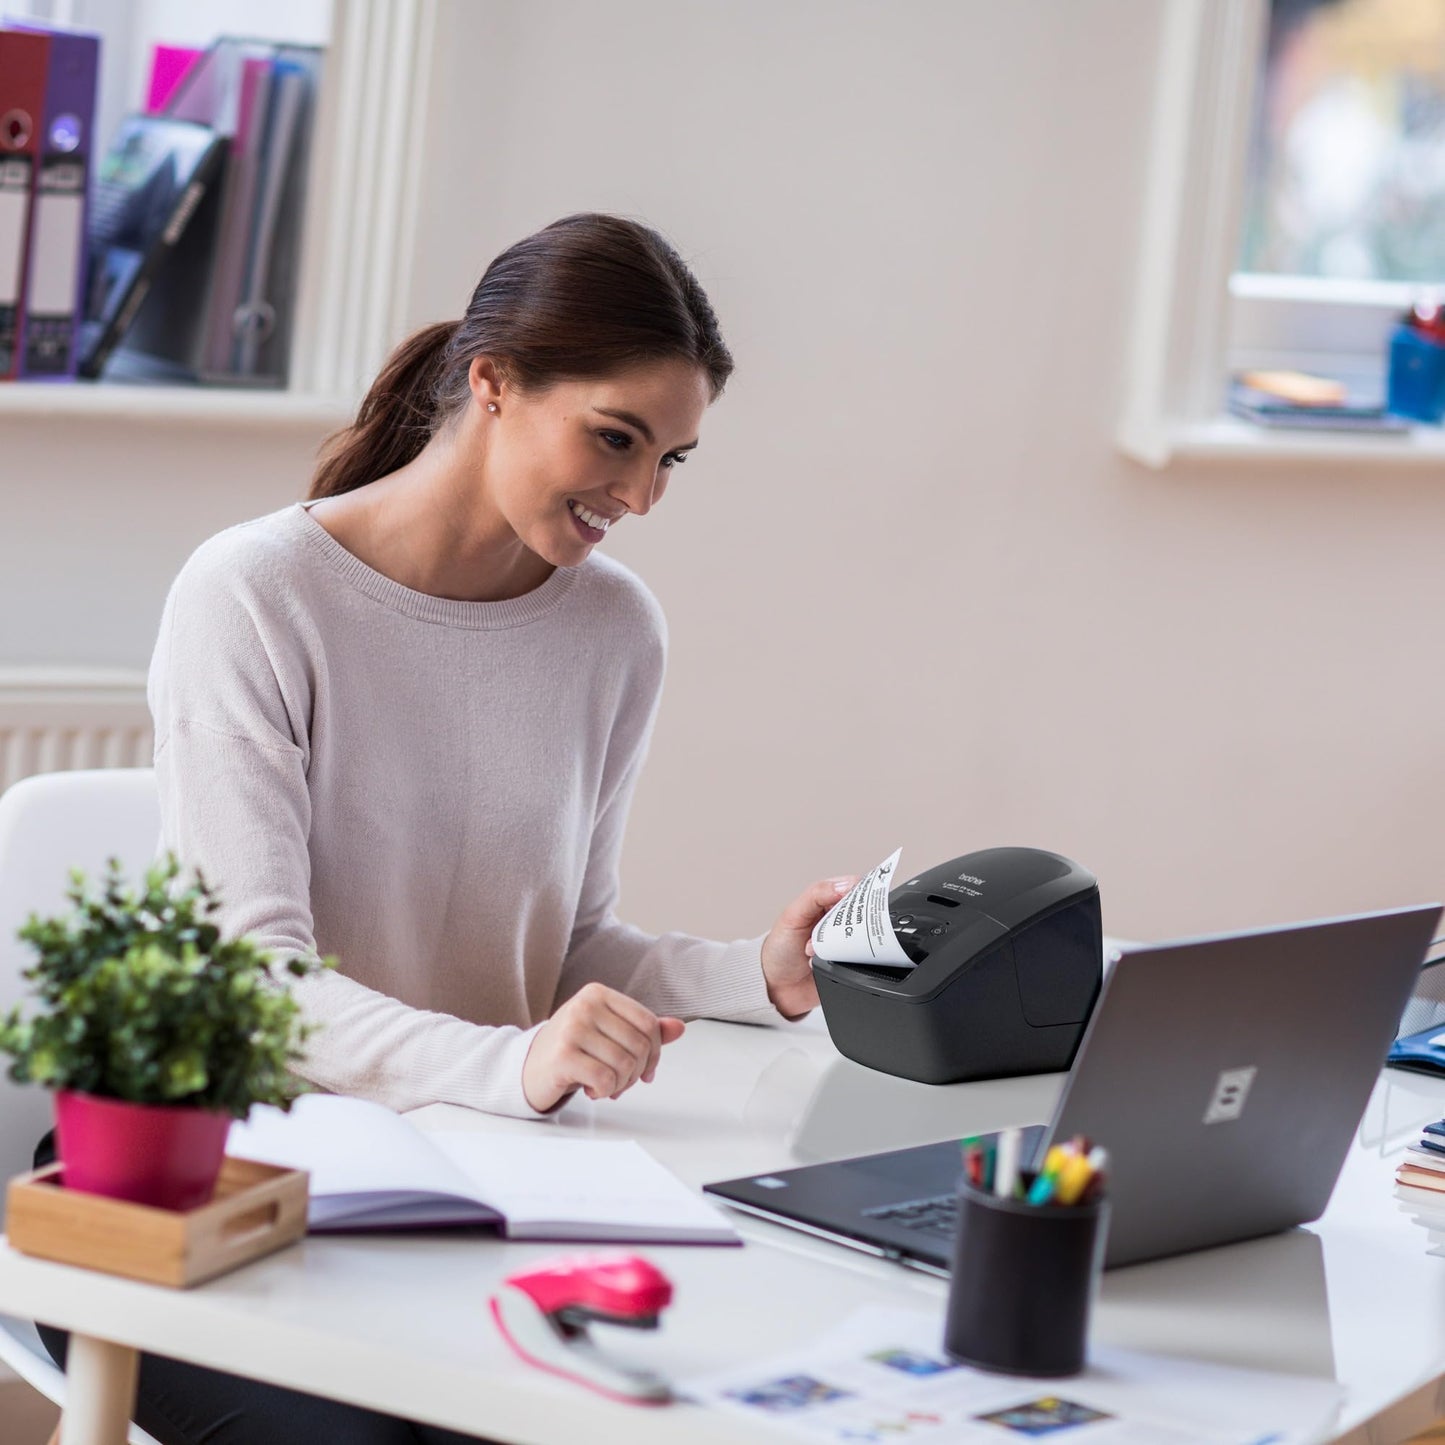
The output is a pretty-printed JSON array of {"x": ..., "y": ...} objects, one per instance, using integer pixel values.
[
  {"x": 227, "y": 694},
  {"x": 672, "y": 973}
]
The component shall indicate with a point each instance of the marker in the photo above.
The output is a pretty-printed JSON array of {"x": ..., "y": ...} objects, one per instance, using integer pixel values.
[
  {"x": 1093, "y": 1189},
  {"x": 1042, "y": 1189},
  {"x": 973, "y": 1162},
  {"x": 1073, "y": 1179},
  {"x": 1006, "y": 1168}
]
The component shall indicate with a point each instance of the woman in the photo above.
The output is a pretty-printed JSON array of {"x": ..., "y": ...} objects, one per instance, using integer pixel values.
[{"x": 402, "y": 723}]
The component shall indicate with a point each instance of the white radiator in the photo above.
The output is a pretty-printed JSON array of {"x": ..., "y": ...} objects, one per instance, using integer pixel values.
[{"x": 53, "y": 719}]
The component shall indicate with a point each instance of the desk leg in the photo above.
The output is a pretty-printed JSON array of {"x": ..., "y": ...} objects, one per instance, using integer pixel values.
[{"x": 99, "y": 1392}]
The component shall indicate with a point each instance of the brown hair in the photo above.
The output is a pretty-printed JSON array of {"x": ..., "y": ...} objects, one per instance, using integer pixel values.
[{"x": 587, "y": 296}]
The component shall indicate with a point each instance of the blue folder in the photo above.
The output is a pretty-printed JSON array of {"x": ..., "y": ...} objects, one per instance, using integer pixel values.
[{"x": 1424, "y": 1052}]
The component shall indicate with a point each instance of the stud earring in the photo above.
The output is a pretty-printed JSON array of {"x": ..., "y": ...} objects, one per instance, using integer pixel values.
[{"x": 491, "y": 406}]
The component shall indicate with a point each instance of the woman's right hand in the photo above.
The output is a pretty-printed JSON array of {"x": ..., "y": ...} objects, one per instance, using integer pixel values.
[{"x": 599, "y": 1041}]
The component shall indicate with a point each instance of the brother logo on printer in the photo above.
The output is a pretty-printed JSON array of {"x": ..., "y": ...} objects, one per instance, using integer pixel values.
[
  {"x": 1230, "y": 1091},
  {"x": 953, "y": 887}
]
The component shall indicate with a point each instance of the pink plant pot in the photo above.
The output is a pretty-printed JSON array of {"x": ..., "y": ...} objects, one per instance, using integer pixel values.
[{"x": 163, "y": 1155}]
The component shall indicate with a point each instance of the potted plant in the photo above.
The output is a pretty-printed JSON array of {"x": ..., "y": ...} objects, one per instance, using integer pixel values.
[{"x": 155, "y": 1032}]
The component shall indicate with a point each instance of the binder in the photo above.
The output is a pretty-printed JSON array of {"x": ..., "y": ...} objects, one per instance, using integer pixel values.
[
  {"x": 24, "y": 59},
  {"x": 54, "y": 288},
  {"x": 150, "y": 185}
]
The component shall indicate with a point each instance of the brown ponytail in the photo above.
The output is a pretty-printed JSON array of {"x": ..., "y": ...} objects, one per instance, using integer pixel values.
[
  {"x": 587, "y": 296},
  {"x": 394, "y": 422}
]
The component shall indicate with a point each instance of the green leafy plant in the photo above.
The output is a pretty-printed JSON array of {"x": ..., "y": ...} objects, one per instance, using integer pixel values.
[{"x": 143, "y": 1000}]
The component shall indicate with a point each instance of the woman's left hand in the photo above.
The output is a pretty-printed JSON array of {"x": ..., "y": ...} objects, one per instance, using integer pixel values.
[{"x": 789, "y": 946}]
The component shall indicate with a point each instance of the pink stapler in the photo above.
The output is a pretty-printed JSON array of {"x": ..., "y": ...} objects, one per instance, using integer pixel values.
[{"x": 543, "y": 1313}]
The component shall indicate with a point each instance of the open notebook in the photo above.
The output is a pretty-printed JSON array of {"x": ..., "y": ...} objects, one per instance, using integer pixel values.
[{"x": 371, "y": 1169}]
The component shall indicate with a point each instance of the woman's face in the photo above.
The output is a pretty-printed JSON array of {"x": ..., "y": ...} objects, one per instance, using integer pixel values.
[{"x": 564, "y": 464}]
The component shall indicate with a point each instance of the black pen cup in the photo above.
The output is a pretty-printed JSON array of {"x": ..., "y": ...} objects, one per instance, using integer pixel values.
[{"x": 1024, "y": 1277}]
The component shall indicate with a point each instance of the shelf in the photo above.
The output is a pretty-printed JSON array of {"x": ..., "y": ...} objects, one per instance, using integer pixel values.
[
  {"x": 1231, "y": 437},
  {"x": 179, "y": 404}
]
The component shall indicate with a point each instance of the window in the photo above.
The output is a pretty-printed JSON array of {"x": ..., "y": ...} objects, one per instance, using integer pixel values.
[
  {"x": 1347, "y": 157},
  {"x": 1298, "y": 171}
]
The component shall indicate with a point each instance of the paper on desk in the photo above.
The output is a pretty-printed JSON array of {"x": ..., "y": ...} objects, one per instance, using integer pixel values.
[
  {"x": 881, "y": 1376},
  {"x": 615, "y": 1185},
  {"x": 857, "y": 929}
]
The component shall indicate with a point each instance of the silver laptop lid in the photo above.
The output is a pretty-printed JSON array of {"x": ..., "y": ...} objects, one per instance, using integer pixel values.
[{"x": 1226, "y": 1075}]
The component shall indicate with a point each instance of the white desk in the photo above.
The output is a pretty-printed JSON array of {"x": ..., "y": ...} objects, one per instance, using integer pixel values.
[{"x": 400, "y": 1324}]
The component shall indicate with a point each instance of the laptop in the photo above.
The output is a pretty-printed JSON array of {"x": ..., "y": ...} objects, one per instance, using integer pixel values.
[{"x": 1225, "y": 1075}]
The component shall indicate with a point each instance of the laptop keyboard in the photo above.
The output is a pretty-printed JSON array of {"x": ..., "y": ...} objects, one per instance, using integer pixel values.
[{"x": 937, "y": 1216}]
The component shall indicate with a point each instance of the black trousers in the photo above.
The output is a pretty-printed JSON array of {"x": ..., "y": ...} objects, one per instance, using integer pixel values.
[{"x": 184, "y": 1404}]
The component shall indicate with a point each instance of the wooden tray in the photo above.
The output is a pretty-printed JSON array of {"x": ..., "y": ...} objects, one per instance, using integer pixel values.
[{"x": 257, "y": 1208}]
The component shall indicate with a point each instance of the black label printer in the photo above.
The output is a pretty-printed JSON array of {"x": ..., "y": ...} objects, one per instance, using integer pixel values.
[{"x": 1007, "y": 947}]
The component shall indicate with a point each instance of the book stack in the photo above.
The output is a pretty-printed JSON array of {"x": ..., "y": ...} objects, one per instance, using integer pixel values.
[
  {"x": 1420, "y": 1183},
  {"x": 174, "y": 256}
]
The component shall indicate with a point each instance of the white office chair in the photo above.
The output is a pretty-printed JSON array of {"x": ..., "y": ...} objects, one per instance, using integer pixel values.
[{"x": 50, "y": 824}]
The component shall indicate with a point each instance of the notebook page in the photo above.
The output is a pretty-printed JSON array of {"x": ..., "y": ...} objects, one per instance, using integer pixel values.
[
  {"x": 350, "y": 1147},
  {"x": 581, "y": 1188}
]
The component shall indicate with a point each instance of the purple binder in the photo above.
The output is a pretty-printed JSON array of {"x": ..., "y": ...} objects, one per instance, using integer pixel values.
[{"x": 55, "y": 285}]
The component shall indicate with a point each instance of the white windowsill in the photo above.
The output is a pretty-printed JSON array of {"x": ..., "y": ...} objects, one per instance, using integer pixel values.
[
  {"x": 1229, "y": 437},
  {"x": 186, "y": 405}
]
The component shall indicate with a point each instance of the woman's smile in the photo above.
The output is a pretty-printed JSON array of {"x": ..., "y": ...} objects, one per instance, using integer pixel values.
[{"x": 592, "y": 526}]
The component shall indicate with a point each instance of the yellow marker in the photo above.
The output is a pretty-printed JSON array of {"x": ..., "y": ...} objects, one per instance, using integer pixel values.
[
  {"x": 1054, "y": 1160},
  {"x": 1073, "y": 1179}
]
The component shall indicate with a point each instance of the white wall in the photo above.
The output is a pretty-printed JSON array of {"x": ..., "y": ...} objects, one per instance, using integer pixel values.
[
  {"x": 1217, "y": 686},
  {"x": 97, "y": 515},
  {"x": 917, "y": 221}
]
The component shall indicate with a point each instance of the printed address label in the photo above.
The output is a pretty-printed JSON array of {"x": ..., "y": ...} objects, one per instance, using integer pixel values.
[{"x": 857, "y": 929}]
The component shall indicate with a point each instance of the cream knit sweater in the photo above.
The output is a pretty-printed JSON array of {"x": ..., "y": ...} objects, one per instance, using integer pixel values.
[{"x": 433, "y": 791}]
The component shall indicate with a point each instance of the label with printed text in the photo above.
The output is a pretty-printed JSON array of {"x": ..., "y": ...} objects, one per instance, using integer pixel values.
[{"x": 857, "y": 929}]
